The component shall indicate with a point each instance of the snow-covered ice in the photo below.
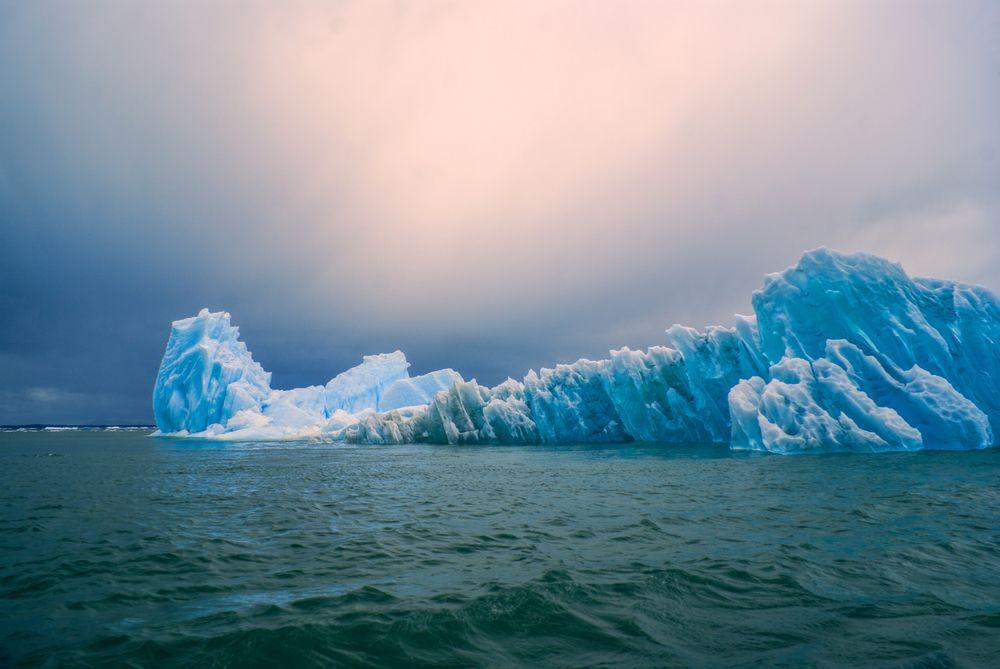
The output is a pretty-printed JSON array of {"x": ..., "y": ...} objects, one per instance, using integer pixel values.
[{"x": 844, "y": 352}]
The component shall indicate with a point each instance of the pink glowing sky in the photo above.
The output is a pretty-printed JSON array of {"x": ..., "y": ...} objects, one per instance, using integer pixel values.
[{"x": 486, "y": 185}]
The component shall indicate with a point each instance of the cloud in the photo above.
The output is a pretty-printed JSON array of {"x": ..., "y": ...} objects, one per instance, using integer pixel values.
[
  {"x": 944, "y": 240},
  {"x": 488, "y": 186},
  {"x": 44, "y": 394}
]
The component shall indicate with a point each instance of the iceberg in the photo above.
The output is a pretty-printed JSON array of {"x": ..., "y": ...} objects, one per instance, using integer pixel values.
[
  {"x": 362, "y": 387},
  {"x": 206, "y": 376},
  {"x": 417, "y": 390},
  {"x": 209, "y": 386},
  {"x": 844, "y": 352}
]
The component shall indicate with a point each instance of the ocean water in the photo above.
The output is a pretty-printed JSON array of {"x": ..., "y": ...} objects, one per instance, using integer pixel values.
[{"x": 118, "y": 548}]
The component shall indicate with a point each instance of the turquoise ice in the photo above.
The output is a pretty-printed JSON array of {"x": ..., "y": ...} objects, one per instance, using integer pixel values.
[{"x": 844, "y": 352}]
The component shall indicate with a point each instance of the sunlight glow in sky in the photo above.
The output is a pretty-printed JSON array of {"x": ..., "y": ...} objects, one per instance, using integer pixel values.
[{"x": 488, "y": 186}]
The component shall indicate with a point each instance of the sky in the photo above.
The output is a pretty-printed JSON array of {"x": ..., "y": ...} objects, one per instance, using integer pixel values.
[{"x": 488, "y": 186}]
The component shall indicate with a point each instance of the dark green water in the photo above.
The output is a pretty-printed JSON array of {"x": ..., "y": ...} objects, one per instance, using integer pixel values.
[{"x": 119, "y": 548}]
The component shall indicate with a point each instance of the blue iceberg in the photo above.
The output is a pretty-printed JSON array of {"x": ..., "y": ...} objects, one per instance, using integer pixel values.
[
  {"x": 207, "y": 375},
  {"x": 844, "y": 352},
  {"x": 209, "y": 386}
]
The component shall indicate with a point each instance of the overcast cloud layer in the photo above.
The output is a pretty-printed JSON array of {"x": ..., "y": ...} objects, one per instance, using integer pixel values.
[{"x": 488, "y": 186}]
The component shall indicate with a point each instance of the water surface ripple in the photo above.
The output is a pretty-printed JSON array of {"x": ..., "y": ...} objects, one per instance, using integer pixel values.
[{"x": 118, "y": 548}]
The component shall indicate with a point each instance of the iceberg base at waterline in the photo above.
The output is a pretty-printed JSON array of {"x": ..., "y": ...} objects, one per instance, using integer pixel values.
[{"x": 844, "y": 352}]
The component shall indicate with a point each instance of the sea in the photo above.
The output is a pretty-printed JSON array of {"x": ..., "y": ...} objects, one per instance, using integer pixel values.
[{"x": 122, "y": 549}]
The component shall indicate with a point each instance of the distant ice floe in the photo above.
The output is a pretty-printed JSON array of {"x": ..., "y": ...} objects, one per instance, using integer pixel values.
[{"x": 844, "y": 352}]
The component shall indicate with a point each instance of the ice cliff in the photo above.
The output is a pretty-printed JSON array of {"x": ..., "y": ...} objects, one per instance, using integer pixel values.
[
  {"x": 207, "y": 375},
  {"x": 844, "y": 352}
]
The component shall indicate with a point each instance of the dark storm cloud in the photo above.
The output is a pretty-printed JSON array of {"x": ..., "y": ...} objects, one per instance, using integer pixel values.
[{"x": 486, "y": 186}]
